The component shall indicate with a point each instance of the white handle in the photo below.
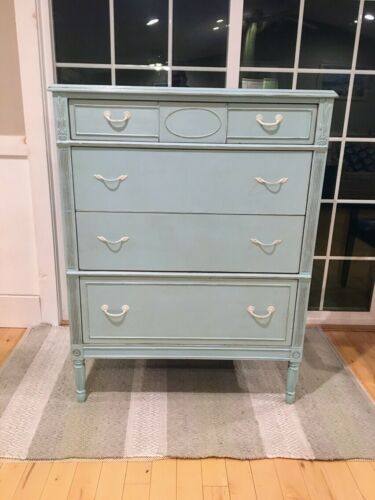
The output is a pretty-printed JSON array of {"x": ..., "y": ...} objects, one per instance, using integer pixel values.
[
  {"x": 257, "y": 242},
  {"x": 120, "y": 178},
  {"x": 278, "y": 120},
  {"x": 108, "y": 116},
  {"x": 124, "y": 239},
  {"x": 270, "y": 311},
  {"x": 283, "y": 180},
  {"x": 124, "y": 309}
]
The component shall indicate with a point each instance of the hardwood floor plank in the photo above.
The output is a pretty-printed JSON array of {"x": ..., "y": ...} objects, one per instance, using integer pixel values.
[
  {"x": 59, "y": 481},
  {"x": 10, "y": 476},
  {"x": 138, "y": 473},
  {"x": 8, "y": 340},
  {"x": 340, "y": 481},
  {"x": 266, "y": 481},
  {"x": 240, "y": 480},
  {"x": 189, "y": 480},
  {"x": 215, "y": 493},
  {"x": 214, "y": 472},
  {"x": 111, "y": 480},
  {"x": 85, "y": 481},
  {"x": 136, "y": 492},
  {"x": 364, "y": 476},
  {"x": 163, "y": 480},
  {"x": 32, "y": 481},
  {"x": 291, "y": 479},
  {"x": 315, "y": 481}
]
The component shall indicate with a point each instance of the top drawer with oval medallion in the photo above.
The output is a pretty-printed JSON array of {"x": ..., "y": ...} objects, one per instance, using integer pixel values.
[
  {"x": 271, "y": 123},
  {"x": 195, "y": 122},
  {"x": 114, "y": 120}
]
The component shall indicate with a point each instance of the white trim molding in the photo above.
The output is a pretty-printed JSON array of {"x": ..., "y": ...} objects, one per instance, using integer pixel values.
[
  {"x": 36, "y": 139},
  {"x": 20, "y": 310},
  {"x": 14, "y": 146}
]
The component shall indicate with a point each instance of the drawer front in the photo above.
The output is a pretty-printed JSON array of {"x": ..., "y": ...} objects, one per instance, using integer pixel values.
[
  {"x": 243, "y": 182},
  {"x": 189, "y": 242},
  {"x": 259, "y": 123},
  {"x": 109, "y": 120},
  {"x": 120, "y": 311},
  {"x": 193, "y": 122}
]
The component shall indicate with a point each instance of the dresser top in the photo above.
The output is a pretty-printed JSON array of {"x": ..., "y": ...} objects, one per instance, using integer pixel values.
[{"x": 167, "y": 93}]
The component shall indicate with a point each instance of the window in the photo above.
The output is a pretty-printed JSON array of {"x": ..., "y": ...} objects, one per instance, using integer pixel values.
[{"x": 286, "y": 44}]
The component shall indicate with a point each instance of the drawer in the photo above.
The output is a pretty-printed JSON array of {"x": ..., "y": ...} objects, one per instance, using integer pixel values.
[
  {"x": 157, "y": 180},
  {"x": 109, "y": 120},
  {"x": 193, "y": 122},
  {"x": 174, "y": 311},
  {"x": 189, "y": 242},
  {"x": 271, "y": 123}
]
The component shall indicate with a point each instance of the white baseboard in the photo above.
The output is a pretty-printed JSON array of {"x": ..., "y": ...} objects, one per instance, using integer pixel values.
[
  {"x": 341, "y": 318},
  {"x": 20, "y": 310}
]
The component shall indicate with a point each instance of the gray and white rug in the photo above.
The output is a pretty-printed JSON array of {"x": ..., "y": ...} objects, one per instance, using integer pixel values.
[{"x": 180, "y": 408}]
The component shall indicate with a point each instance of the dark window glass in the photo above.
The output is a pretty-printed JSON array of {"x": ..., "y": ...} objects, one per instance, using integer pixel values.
[
  {"x": 141, "y": 31},
  {"x": 141, "y": 77},
  {"x": 269, "y": 33},
  {"x": 358, "y": 171},
  {"x": 87, "y": 76},
  {"x": 354, "y": 233},
  {"x": 81, "y": 31},
  {"x": 339, "y": 83},
  {"x": 366, "y": 57},
  {"x": 200, "y": 32},
  {"x": 328, "y": 34},
  {"x": 331, "y": 170},
  {"x": 323, "y": 228},
  {"x": 349, "y": 285},
  {"x": 266, "y": 80},
  {"x": 361, "y": 120},
  {"x": 316, "y": 285},
  {"x": 198, "y": 79}
]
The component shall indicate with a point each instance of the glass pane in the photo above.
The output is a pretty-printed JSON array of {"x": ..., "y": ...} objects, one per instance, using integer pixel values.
[
  {"x": 350, "y": 285},
  {"x": 141, "y": 31},
  {"x": 269, "y": 33},
  {"x": 365, "y": 58},
  {"x": 331, "y": 170},
  {"x": 88, "y": 76},
  {"x": 141, "y": 77},
  {"x": 200, "y": 32},
  {"x": 198, "y": 79},
  {"x": 328, "y": 34},
  {"x": 358, "y": 171},
  {"x": 339, "y": 83},
  {"x": 266, "y": 80},
  {"x": 354, "y": 233},
  {"x": 316, "y": 285},
  {"x": 361, "y": 120},
  {"x": 323, "y": 228},
  {"x": 81, "y": 31}
]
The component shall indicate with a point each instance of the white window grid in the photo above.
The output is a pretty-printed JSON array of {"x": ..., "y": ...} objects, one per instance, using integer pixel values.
[{"x": 233, "y": 70}]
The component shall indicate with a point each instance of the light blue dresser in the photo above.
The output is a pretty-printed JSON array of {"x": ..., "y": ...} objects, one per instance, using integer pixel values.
[{"x": 190, "y": 220}]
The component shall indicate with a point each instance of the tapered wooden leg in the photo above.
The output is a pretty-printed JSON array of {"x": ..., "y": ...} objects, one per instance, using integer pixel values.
[
  {"x": 80, "y": 378},
  {"x": 291, "y": 382}
]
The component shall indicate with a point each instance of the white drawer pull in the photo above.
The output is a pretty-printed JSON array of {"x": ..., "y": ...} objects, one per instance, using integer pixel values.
[
  {"x": 270, "y": 311},
  {"x": 124, "y": 239},
  {"x": 120, "y": 121},
  {"x": 274, "y": 243},
  {"x": 118, "y": 179},
  {"x": 124, "y": 309},
  {"x": 278, "y": 120},
  {"x": 283, "y": 180}
]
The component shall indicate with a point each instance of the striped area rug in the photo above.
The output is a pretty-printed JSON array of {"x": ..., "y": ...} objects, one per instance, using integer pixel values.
[{"x": 180, "y": 408}]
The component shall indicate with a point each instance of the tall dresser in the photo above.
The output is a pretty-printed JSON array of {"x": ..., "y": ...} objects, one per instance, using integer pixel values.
[{"x": 190, "y": 219}]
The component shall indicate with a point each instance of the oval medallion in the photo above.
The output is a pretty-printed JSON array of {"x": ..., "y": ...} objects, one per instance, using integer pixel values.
[{"x": 193, "y": 123}]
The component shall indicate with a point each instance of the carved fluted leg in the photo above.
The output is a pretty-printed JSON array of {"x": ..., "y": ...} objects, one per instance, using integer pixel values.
[
  {"x": 291, "y": 382},
  {"x": 80, "y": 378}
]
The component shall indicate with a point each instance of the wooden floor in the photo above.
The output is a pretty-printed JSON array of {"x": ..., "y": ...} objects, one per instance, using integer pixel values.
[{"x": 209, "y": 479}]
